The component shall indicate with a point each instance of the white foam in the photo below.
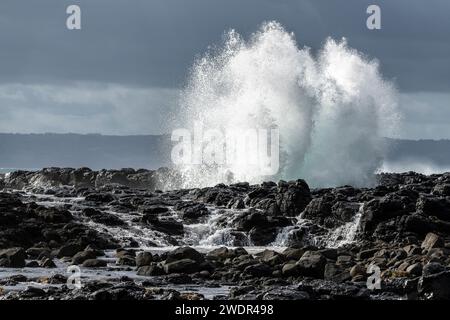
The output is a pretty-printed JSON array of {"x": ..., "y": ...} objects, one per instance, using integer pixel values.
[{"x": 331, "y": 109}]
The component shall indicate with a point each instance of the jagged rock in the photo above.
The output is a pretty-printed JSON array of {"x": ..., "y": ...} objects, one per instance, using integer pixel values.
[
  {"x": 182, "y": 266},
  {"x": 153, "y": 269},
  {"x": 415, "y": 269},
  {"x": 435, "y": 286},
  {"x": 126, "y": 261},
  {"x": 185, "y": 253},
  {"x": 102, "y": 217},
  {"x": 438, "y": 207},
  {"x": 221, "y": 253},
  {"x": 68, "y": 250},
  {"x": 47, "y": 263},
  {"x": 153, "y": 210},
  {"x": 293, "y": 197},
  {"x": 312, "y": 264},
  {"x": 258, "y": 270},
  {"x": 55, "y": 215},
  {"x": 100, "y": 197},
  {"x": 290, "y": 269},
  {"x": 293, "y": 253},
  {"x": 432, "y": 268},
  {"x": 379, "y": 210},
  {"x": 12, "y": 258},
  {"x": 358, "y": 270},
  {"x": 94, "y": 263},
  {"x": 442, "y": 189},
  {"x": 191, "y": 210},
  {"x": 82, "y": 256},
  {"x": 144, "y": 259},
  {"x": 166, "y": 225}
]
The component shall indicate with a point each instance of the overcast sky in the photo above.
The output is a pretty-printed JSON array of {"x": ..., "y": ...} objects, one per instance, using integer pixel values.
[{"x": 122, "y": 72}]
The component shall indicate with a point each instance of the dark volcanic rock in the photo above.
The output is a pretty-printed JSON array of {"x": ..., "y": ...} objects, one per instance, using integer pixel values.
[
  {"x": 293, "y": 197},
  {"x": 312, "y": 264},
  {"x": 404, "y": 229},
  {"x": 435, "y": 286},
  {"x": 185, "y": 253},
  {"x": 164, "y": 224},
  {"x": 13, "y": 258},
  {"x": 144, "y": 259},
  {"x": 94, "y": 263},
  {"x": 102, "y": 217},
  {"x": 191, "y": 211},
  {"x": 25, "y": 224},
  {"x": 182, "y": 266}
]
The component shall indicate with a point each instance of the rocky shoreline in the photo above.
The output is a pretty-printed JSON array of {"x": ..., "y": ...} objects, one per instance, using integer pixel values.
[{"x": 270, "y": 241}]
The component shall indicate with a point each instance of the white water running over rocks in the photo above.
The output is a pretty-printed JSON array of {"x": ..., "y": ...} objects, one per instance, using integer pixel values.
[{"x": 213, "y": 232}]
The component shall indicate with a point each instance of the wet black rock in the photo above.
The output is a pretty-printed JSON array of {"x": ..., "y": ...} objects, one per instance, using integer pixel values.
[
  {"x": 103, "y": 217},
  {"x": 312, "y": 264},
  {"x": 435, "y": 286},
  {"x": 144, "y": 259},
  {"x": 191, "y": 211},
  {"x": 82, "y": 256},
  {"x": 12, "y": 258},
  {"x": 164, "y": 224},
  {"x": 181, "y": 266},
  {"x": 334, "y": 236},
  {"x": 292, "y": 197},
  {"x": 94, "y": 263},
  {"x": 185, "y": 253}
]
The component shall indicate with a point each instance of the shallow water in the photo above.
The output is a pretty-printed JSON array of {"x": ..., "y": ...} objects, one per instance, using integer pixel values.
[{"x": 204, "y": 236}]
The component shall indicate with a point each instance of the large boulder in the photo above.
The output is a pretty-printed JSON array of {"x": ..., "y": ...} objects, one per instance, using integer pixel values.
[
  {"x": 182, "y": 266},
  {"x": 292, "y": 197},
  {"x": 13, "y": 258},
  {"x": 191, "y": 211},
  {"x": 154, "y": 269},
  {"x": 312, "y": 264},
  {"x": 438, "y": 207},
  {"x": 435, "y": 286},
  {"x": 185, "y": 253},
  {"x": 164, "y": 224},
  {"x": 54, "y": 215},
  {"x": 94, "y": 263},
  {"x": 68, "y": 250},
  {"x": 386, "y": 208},
  {"x": 105, "y": 218},
  {"x": 82, "y": 256},
  {"x": 144, "y": 259}
]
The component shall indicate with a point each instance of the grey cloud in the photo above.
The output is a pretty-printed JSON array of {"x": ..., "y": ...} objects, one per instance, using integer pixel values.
[
  {"x": 426, "y": 115},
  {"x": 153, "y": 43},
  {"x": 120, "y": 74},
  {"x": 85, "y": 108}
]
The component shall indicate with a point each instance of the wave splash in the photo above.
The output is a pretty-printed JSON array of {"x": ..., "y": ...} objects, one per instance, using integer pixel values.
[{"x": 331, "y": 108}]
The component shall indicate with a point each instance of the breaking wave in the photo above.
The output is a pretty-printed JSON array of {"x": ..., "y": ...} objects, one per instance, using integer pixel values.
[{"x": 331, "y": 107}]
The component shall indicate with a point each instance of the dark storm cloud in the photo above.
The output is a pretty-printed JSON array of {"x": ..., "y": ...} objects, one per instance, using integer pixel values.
[
  {"x": 121, "y": 73},
  {"x": 141, "y": 42}
]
